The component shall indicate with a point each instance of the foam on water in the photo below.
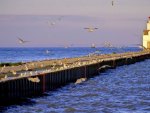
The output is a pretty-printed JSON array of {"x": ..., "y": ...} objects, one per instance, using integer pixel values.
[
  {"x": 125, "y": 89},
  {"x": 121, "y": 90}
]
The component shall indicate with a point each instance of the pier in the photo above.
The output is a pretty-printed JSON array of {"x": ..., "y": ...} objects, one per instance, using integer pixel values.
[{"x": 36, "y": 78}]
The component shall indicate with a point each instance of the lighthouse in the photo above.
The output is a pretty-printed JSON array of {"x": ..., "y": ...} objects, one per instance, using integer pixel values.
[{"x": 146, "y": 36}]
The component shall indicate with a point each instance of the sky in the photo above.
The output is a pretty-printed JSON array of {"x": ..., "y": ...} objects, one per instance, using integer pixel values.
[{"x": 121, "y": 24}]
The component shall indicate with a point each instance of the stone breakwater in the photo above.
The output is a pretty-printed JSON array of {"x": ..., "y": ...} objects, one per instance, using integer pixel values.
[{"x": 34, "y": 78}]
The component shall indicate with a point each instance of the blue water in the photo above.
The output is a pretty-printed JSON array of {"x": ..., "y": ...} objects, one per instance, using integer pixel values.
[
  {"x": 34, "y": 54},
  {"x": 125, "y": 89}
]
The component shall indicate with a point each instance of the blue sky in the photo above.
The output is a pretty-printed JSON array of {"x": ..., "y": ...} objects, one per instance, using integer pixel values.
[{"x": 121, "y": 24}]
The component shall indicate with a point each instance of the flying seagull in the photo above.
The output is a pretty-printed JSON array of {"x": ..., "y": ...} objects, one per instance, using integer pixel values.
[
  {"x": 112, "y": 3},
  {"x": 140, "y": 46},
  {"x": 60, "y": 18},
  {"x": 107, "y": 44},
  {"x": 91, "y": 29},
  {"x": 93, "y": 46},
  {"x": 51, "y": 23},
  {"x": 21, "y": 41}
]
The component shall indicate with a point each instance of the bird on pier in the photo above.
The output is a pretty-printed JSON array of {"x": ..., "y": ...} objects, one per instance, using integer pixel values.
[
  {"x": 34, "y": 79},
  {"x": 42, "y": 65},
  {"x": 21, "y": 74},
  {"x": 26, "y": 68},
  {"x": 33, "y": 64},
  {"x": 64, "y": 66},
  {"x": 36, "y": 72},
  {"x": 5, "y": 77},
  {"x": 14, "y": 72},
  {"x": 3, "y": 68}
]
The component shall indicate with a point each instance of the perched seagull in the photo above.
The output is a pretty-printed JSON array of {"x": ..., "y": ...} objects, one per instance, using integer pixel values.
[
  {"x": 2, "y": 68},
  {"x": 21, "y": 74},
  {"x": 14, "y": 72},
  {"x": 26, "y": 68},
  {"x": 93, "y": 46},
  {"x": 5, "y": 77},
  {"x": 41, "y": 65},
  {"x": 91, "y": 29},
  {"x": 34, "y": 79},
  {"x": 21, "y": 41}
]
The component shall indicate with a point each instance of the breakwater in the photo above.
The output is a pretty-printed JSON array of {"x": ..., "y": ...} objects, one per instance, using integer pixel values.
[{"x": 28, "y": 86}]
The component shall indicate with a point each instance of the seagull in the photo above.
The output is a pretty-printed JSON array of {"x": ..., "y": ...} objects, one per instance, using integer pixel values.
[
  {"x": 21, "y": 74},
  {"x": 14, "y": 72},
  {"x": 107, "y": 44},
  {"x": 140, "y": 46},
  {"x": 5, "y": 77},
  {"x": 78, "y": 81},
  {"x": 26, "y": 68},
  {"x": 47, "y": 51},
  {"x": 60, "y": 18},
  {"x": 112, "y": 3},
  {"x": 3, "y": 68},
  {"x": 51, "y": 23},
  {"x": 41, "y": 65},
  {"x": 91, "y": 29},
  {"x": 34, "y": 79},
  {"x": 104, "y": 67},
  {"x": 31, "y": 73},
  {"x": 21, "y": 41}
]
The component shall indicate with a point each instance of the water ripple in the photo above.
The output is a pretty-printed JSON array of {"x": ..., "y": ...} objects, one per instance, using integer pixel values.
[{"x": 125, "y": 89}]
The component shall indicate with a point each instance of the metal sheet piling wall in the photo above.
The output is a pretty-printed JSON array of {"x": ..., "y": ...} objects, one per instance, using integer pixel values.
[{"x": 12, "y": 90}]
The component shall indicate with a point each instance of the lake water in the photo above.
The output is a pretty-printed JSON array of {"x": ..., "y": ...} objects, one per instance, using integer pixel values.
[
  {"x": 33, "y": 54},
  {"x": 125, "y": 89}
]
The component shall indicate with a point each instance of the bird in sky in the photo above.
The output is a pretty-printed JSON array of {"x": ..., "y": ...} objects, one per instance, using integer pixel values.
[
  {"x": 26, "y": 68},
  {"x": 93, "y": 46},
  {"x": 140, "y": 46},
  {"x": 112, "y": 3},
  {"x": 51, "y": 23},
  {"x": 91, "y": 29},
  {"x": 107, "y": 44},
  {"x": 60, "y": 18},
  {"x": 47, "y": 51},
  {"x": 21, "y": 41}
]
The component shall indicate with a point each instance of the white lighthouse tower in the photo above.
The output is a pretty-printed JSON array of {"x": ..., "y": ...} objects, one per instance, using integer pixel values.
[{"x": 146, "y": 36}]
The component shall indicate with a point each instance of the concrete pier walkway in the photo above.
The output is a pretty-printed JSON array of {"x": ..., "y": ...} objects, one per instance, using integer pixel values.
[{"x": 35, "y": 78}]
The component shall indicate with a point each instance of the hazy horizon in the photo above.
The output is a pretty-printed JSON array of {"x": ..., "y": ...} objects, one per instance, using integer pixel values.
[{"x": 120, "y": 25}]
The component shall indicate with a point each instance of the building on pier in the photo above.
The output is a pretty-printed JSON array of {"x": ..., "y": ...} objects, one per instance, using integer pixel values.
[{"x": 146, "y": 36}]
